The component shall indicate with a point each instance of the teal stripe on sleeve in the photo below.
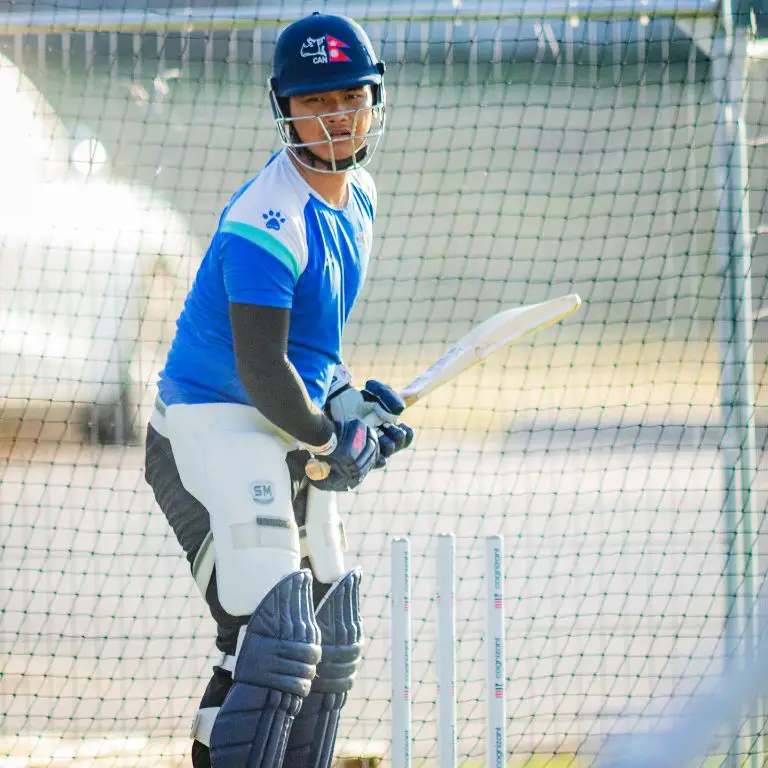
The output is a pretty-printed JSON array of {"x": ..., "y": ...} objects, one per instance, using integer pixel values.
[{"x": 263, "y": 240}]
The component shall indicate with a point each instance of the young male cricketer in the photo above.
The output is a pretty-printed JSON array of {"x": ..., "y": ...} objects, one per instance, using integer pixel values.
[{"x": 253, "y": 385}]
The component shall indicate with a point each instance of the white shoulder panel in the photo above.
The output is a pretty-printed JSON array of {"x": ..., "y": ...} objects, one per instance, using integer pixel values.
[{"x": 270, "y": 213}]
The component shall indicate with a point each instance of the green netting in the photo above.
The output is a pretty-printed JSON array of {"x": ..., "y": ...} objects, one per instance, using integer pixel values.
[{"x": 522, "y": 161}]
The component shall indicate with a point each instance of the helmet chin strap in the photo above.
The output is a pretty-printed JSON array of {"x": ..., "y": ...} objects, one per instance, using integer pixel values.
[{"x": 314, "y": 161}]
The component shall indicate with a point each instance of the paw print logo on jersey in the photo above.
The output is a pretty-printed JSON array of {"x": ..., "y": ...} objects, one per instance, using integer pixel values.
[
  {"x": 324, "y": 50},
  {"x": 273, "y": 219}
]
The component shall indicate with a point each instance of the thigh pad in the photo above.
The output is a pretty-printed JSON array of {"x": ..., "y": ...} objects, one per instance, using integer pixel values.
[{"x": 239, "y": 474}]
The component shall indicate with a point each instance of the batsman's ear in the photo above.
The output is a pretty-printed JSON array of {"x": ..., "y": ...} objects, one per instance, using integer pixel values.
[{"x": 280, "y": 104}]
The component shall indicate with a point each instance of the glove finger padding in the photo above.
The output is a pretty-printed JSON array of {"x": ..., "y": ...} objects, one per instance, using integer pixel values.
[
  {"x": 408, "y": 436},
  {"x": 356, "y": 453},
  {"x": 392, "y": 438},
  {"x": 383, "y": 400}
]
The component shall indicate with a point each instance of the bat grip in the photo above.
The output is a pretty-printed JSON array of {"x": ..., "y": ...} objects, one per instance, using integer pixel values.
[{"x": 317, "y": 469}]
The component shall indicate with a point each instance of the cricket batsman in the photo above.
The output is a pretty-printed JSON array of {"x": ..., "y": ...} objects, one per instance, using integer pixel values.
[{"x": 253, "y": 386}]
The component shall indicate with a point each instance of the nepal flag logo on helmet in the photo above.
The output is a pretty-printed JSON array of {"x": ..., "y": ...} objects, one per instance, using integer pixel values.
[{"x": 324, "y": 50}]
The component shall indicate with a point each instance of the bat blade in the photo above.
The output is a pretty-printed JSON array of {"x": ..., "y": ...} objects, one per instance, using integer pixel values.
[{"x": 496, "y": 332}]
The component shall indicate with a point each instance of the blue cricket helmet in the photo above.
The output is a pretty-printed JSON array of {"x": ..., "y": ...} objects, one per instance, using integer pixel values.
[{"x": 323, "y": 52}]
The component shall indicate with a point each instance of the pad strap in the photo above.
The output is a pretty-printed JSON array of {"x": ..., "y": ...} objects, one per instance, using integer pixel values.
[
  {"x": 202, "y": 725},
  {"x": 203, "y": 564}
]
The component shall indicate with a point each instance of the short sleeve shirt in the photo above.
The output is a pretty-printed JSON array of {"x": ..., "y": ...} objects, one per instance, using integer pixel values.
[{"x": 277, "y": 244}]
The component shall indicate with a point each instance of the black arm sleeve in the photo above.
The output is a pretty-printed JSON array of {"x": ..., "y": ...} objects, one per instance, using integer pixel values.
[{"x": 261, "y": 351}]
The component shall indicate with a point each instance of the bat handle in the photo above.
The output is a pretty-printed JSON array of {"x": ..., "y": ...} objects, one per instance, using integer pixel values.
[{"x": 317, "y": 469}]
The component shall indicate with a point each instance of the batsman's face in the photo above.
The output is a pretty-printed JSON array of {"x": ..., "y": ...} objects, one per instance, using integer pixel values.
[{"x": 333, "y": 124}]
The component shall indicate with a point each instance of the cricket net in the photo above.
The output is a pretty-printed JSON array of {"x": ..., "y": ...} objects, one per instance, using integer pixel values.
[{"x": 525, "y": 158}]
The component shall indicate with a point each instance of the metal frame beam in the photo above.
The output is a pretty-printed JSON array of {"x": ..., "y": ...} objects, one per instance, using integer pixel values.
[{"x": 458, "y": 11}]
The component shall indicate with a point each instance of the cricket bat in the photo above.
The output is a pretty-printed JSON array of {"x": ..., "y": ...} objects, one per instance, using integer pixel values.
[{"x": 493, "y": 334}]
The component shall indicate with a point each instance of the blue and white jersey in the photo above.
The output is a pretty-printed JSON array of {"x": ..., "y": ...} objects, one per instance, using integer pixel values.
[{"x": 277, "y": 244}]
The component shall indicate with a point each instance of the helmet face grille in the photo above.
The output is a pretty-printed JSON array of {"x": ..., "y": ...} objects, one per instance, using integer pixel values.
[{"x": 304, "y": 152}]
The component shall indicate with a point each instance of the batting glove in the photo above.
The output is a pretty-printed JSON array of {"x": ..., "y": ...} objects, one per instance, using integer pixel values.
[
  {"x": 354, "y": 455},
  {"x": 377, "y": 404}
]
